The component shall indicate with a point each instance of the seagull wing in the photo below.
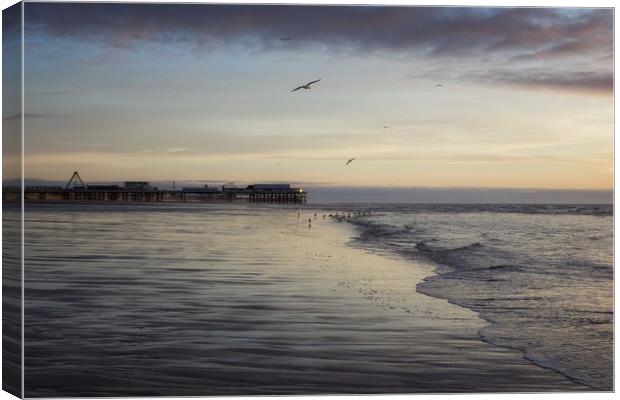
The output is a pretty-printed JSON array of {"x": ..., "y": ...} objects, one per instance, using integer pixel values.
[
  {"x": 310, "y": 83},
  {"x": 297, "y": 88}
]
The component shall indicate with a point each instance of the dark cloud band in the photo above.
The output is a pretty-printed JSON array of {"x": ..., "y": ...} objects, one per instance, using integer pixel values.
[
  {"x": 431, "y": 29},
  {"x": 517, "y": 35}
]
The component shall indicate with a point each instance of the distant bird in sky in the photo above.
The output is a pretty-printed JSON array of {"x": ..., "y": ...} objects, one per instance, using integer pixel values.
[
  {"x": 439, "y": 85},
  {"x": 306, "y": 86},
  {"x": 285, "y": 39},
  {"x": 350, "y": 161}
]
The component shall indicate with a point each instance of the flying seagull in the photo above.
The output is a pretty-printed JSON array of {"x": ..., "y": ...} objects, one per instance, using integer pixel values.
[
  {"x": 350, "y": 161},
  {"x": 285, "y": 39},
  {"x": 439, "y": 85},
  {"x": 306, "y": 86}
]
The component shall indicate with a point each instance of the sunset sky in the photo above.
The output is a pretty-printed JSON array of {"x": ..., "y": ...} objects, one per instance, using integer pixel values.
[{"x": 203, "y": 92}]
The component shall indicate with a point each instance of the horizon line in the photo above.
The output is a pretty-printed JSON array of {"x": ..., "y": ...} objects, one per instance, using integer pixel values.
[{"x": 325, "y": 184}]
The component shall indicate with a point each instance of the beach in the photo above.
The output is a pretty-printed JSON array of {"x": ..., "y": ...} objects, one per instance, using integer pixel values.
[{"x": 125, "y": 300}]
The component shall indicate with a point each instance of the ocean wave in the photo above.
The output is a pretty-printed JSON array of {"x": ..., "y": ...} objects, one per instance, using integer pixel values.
[
  {"x": 373, "y": 230},
  {"x": 423, "y": 247}
]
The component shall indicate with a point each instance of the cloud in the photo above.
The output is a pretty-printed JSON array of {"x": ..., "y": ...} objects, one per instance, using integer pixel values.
[
  {"x": 582, "y": 81},
  {"x": 432, "y": 31},
  {"x": 597, "y": 82},
  {"x": 567, "y": 48}
]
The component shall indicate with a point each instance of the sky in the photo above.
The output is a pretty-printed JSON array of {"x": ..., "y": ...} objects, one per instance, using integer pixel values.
[{"x": 203, "y": 92}]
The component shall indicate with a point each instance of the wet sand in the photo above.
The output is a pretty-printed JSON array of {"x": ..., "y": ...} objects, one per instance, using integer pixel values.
[{"x": 223, "y": 300}]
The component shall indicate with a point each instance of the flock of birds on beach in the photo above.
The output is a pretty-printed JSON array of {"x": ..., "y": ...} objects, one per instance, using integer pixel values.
[
  {"x": 307, "y": 86},
  {"x": 338, "y": 216}
]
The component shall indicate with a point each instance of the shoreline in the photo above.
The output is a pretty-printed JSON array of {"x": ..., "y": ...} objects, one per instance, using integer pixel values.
[{"x": 432, "y": 270}]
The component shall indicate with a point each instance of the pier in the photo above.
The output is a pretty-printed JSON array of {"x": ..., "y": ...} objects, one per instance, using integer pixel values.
[{"x": 143, "y": 192}]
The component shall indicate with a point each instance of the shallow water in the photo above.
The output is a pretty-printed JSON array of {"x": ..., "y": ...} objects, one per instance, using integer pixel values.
[
  {"x": 232, "y": 299},
  {"x": 11, "y": 299}
]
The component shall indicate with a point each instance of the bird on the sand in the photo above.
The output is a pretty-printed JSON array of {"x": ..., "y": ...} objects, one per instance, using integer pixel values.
[
  {"x": 350, "y": 161},
  {"x": 306, "y": 86}
]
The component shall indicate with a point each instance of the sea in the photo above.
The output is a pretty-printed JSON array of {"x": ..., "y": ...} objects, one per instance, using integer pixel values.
[{"x": 221, "y": 299}]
